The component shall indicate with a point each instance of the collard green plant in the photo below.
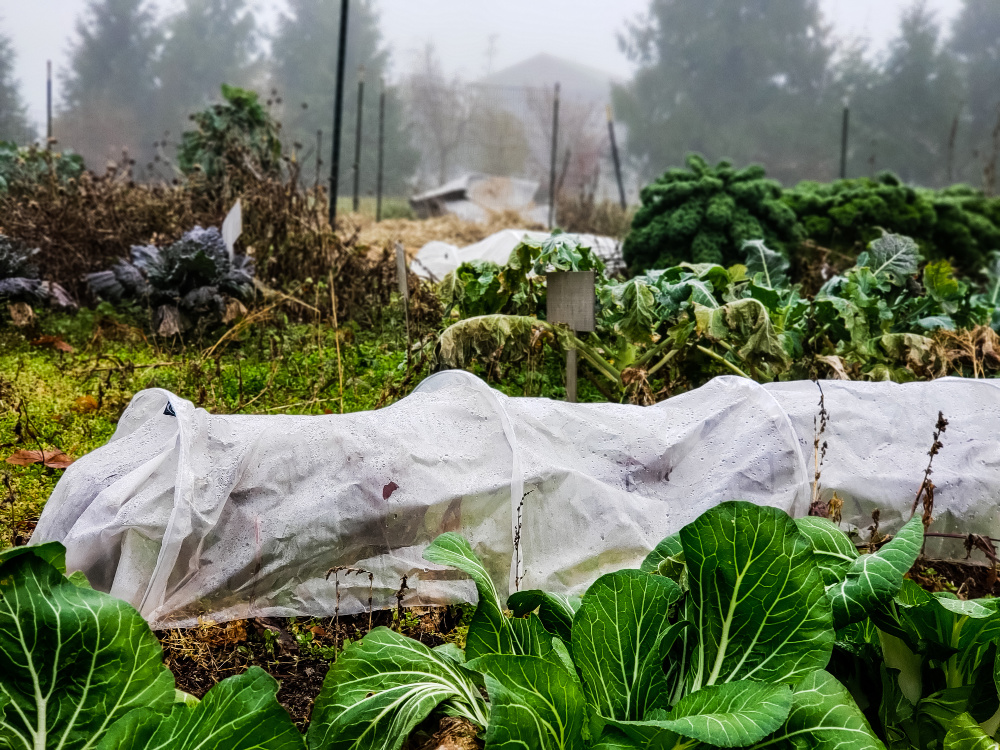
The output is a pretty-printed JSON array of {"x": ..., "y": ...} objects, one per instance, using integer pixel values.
[
  {"x": 239, "y": 713},
  {"x": 22, "y": 168},
  {"x": 80, "y": 669},
  {"x": 231, "y": 137},
  {"x": 191, "y": 280},
  {"x": 721, "y": 639},
  {"x": 73, "y": 661},
  {"x": 19, "y": 281},
  {"x": 876, "y": 321},
  {"x": 704, "y": 214}
]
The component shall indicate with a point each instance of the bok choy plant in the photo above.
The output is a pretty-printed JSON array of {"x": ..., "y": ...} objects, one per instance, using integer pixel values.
[{"x": 721, "y": 639}]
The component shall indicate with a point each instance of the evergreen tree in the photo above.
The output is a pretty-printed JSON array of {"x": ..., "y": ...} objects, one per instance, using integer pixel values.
[
  {"x": 209, "y": 42},
  {"x": 975, "y": 41},
  {"x": 109, "y": 91},
  {"x": 304, "y": 53},
  {"x": 739, "y": 79},
  {"x": 14, "y": 124},
  {"x": 911, "y": 109}
]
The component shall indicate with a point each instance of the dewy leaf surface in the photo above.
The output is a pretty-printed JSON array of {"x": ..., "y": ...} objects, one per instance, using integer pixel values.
[
  {"x": 824, "y": 716},
  {"x": 381, "y": 687},
  {"x": 72, "y": 660},
  {"x": 534, "y": 703},
  {"x": 874, "y": 579},
  {"x": 239, "y": 713},
  {"x": 617, "y": 631},
  {"x": 734, "y": 714},
  {"x": 833, "y": 551},
  {"x": 757, "y": 602},
  {"x": 489, "y": 631}
]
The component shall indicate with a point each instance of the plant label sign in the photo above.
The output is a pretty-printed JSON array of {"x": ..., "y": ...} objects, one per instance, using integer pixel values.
[
  {"x": 232, "y": 227},
  {"x": 570, "y": 299}
]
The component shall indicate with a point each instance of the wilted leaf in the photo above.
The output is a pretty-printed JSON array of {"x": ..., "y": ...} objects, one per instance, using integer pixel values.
[
  {"x": 51, "y": 459},
  {"x": 52, "y": 341},
  {"x": 85, "y": 403},
  {"x": 21, "y": 314}
]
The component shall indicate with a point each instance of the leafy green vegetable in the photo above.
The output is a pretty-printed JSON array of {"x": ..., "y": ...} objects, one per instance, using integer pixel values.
[
  {"x": 72, "y": 660},
  {"x": 757, "y": 599},
  {"x": 490, "y": 631},
  {"x": 534, "y": 703},
  {"x": 964, "y": 733},
  {"x": 823, "y": 717},
  {"x": 239, "y": 713},
  {"x": 872, "y": 579},
  {"x": 555, "y": 611},
  {"x": 381, "y": 687},
  {"x": 618, "y": 631},
  {"x": 833, "y": 551}
]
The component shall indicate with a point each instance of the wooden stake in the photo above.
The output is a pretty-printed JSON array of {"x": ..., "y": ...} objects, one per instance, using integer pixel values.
[{"x": 336, "y": 340}]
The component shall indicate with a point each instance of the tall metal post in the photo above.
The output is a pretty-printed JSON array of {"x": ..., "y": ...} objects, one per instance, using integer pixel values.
[
  {"x": 338, "y": 113},
  {"x": 357, "y": 138},
  {"x": 552, "y": 162},
  {"x": 843, "y": 142},
  {"x": 381, "y": 153},
  {"x": 614, "y": 157},
  {"x": 48, "y": 104},
  {"x": 319, "y": 151}
]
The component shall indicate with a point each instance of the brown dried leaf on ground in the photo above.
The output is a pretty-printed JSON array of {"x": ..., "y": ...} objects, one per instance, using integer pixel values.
[
  {"x": 83, "y": 404},
  {"x": 53, "y": 459},
  {"x": 21, "y": 314},
  {"x": 455, "y": 734},
  {"x": 54, "y": 342}
]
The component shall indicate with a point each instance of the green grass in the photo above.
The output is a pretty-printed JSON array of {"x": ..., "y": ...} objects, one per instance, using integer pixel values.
[
  {"x": 72, "y": 401},
  {"x": 394, "y": 207}
]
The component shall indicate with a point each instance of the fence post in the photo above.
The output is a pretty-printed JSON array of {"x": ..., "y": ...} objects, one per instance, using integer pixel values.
[
  {"x": 843, "y": 141},
  {"x": 381, "y": 152},
  {"x": 552, "y": 161},
  {"x": 357, "y": 138},
  {"x": 319, "y": 151},
  {"x": 338, "y": 113},
  {"x": 48, "y": 104},
  {"x": 614, "y": 157}
]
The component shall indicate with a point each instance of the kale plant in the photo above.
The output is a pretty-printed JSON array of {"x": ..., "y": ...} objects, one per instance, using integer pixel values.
[
  {"x": 193, "y": 279},
  {"x": 25, "y": 167},
  {"x": 237, "y": 133},
  {"x": 19, "y": 280},
  {"x": 704, "y": 214}
]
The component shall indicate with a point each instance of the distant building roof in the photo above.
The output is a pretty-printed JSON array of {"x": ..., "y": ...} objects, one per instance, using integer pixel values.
[{"x": 543, "y": 70}]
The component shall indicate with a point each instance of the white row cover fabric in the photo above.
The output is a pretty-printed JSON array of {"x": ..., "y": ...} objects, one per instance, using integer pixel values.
[
  {"x": 189, "y": 515},
  {"x": 437, "y": 259}
]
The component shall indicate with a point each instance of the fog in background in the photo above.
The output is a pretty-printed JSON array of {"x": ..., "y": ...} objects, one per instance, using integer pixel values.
[{"x": 919, "y": 107}]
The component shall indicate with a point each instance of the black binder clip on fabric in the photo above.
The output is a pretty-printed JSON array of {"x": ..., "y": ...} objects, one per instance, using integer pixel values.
[{"x": 169, "y": 411}]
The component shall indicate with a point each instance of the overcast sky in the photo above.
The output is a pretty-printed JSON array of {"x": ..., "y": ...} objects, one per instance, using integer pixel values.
[{"x": 461, "y": 30}]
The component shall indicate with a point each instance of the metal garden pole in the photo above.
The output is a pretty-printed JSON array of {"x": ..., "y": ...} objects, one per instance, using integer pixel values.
[
  {"x": 338, "y": 113},
  {"x": 381, "y": 153},
  {"x": 552, "y": 161},
  {"x": 614, "y": 157},
  {"x": 357, "y": 138},
  {"x": 843, "y": 142},
  {"x": 48, "y": 104}
]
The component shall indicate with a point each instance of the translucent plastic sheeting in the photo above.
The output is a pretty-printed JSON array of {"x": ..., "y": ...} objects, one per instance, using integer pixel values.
[{"x": 189, "y": 515}]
